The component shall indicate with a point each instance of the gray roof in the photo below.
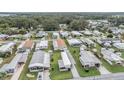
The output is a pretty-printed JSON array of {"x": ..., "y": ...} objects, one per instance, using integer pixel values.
[
  {"x": 3, "y": 68},
  {"x": 14, "y": 62},
  {"x": 88, "y": 58},
  {"x": 41, "y": 59},
  {"x": 20, "y": 57}
]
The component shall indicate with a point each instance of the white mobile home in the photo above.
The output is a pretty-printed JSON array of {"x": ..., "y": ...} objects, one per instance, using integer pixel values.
[
  {"x": 88, "y": 59},
  {"x": 43, "y": 44},
  {"x": 12, "y": 66},
  {"x": 88, "y": 42},
  {"x": 41, "y": 34},
  {"x": 3, "y": 68},
  {"x": 40, "y": 61},
  {"x": 76, "y": 33},
  {"x": 64, "y": 34},
  {"x": 7, "y": 48},
  {"x": 19, "y": 59},
  {"x": 55, "y": 35},
  {"x": 119, "y": 45},
  {"x": 65, "y": 63},
  {"x": 74, "y": 42},
  {"x": 111, "y": 57}
]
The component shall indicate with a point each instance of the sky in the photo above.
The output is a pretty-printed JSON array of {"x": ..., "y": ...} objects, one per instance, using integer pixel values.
[{"x": 61, "y": 6}]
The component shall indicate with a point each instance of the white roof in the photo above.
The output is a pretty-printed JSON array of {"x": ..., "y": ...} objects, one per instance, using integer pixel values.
[
  {"x": 108, "y": 54},
  {"x": 89, "y": 58},
  {"x": 76, "y": 33},
  {"x": 65, "y": 59},
  {"x": 42, "y": 43},
  {"x": 40, "y": 59},
  {"x": 119, "y": 45},
  {"x": 14, "y": 62},
  {"x": 73, "y": 41},
  {"x": 3, "y": 68},
  {"x": 6, "y": 47}
]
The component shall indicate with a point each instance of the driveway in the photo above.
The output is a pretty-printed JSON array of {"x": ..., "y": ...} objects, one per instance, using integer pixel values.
[
  {"x": 17, "y": 73},
  {"x": 103, "y": 70},
  {"x": 73, "y": 69},
  {"x": 46, "y": 75}
]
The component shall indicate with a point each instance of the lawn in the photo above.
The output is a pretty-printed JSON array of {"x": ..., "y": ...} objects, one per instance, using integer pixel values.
[
  {"x": 55, "y": 74},
  {"x": 26, "y": 71},
  {"x": 8, "y": 59},
  {"x": 75, "y": 53},
  {"x": 111, "y": 68}
]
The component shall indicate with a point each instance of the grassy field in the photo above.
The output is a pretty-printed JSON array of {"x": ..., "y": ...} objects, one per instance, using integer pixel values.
[
  {"x": 75, "y": 53},
  {"x": 26, "y": 70},
  {"x": 55, "y": 74},
  {"x": 92, "y": 72},
  {"x": 111, "y": 68}
]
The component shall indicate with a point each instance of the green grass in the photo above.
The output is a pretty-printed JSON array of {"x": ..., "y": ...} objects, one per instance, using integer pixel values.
[
  {"x": 111, "y": 68},
  {"x": 75, "y": 53},
  {"x": 26, "y": 70},
  {"x": 55, "y": 74},
  {"x": 80, "y": 69}
]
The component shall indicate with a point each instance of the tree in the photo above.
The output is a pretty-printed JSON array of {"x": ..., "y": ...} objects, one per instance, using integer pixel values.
[
  {"x": 50, "y": 25},
  {"x": 78, "y": 25},
  {"x": 110, "y": 36}
]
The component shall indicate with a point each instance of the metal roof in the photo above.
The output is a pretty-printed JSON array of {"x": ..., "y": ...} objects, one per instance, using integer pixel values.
[{"x": 40, "y": 58}]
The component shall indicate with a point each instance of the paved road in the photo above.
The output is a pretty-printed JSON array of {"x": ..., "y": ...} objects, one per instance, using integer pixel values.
[
  {"x": 46, "y": 75},
  {"x": 73, "y": 69},
  {"x": 103, "y": 70},
  {"x": 113, "y": 76},
  {"x": 17, "y": 73}
]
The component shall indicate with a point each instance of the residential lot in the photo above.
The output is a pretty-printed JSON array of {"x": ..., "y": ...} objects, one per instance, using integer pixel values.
[
  {"x": 78, "y": 50},
  {"x": 54, "y": 72}
]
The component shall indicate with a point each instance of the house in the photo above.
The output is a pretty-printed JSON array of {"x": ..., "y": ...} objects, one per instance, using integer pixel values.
[
  {"x": 19, "y": 59},
  {"x": 55, "y": 35},
  {"x": 88, "y": 33},
  {"x": 64, "y": 64},
  {"x": 26, "y": 45},
  {"x": 83, "y": 47},
  {"x": 110, "y": 40},
  {"x": 4, "y": 36},
  {"x": 119, "y": 45},
  {"x": 59, "y": 44},
  {"x": 76, "y": 33},
  {"x": 74, "y": 42},
  {"x": 111, "y": 57},
  {"x": 23, "y": 58},
  {"x": 41, "y": 34},
  {"x": 40, "y": 61},
  {"x": 88, "y": 42},
  {"x": 64, "y": 34},
  {"x": 63, "y": 26},
  {"x": 7, "y": 48},
  {"x": 96, "y": 33},
  {"x": 3, "y": 68},
  {"x": 88, "y": 59},
  {"x": 43, "y": 44}
]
